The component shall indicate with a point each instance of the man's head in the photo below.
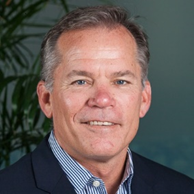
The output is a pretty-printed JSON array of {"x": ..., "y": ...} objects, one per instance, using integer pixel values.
[
  {"x": 85, "y": 18},
  {"x": 97, "y": 96}
]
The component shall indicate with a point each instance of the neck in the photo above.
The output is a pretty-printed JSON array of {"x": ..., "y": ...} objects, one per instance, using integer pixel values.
[{"x": 111, "y": 171}]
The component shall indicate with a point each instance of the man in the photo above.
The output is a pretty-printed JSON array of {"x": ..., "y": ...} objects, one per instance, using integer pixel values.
[{"x": 95, "y": 88}]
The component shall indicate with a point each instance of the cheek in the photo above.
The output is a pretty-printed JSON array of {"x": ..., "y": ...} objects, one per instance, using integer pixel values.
[
  {"x": 70, "y": 103},
  {"x": 132, "y": 100},
  {"x": 131, "y": 106}
]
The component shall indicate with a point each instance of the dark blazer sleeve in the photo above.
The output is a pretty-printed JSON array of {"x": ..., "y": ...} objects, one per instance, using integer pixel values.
[
  {"x": 153, "y": 178},
  {"x": 36, "y": 173}
]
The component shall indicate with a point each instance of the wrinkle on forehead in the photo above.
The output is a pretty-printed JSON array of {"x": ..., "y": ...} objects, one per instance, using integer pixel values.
[
  {"x": 72, "y": 44},
  {"x": 101, "y": 53}
]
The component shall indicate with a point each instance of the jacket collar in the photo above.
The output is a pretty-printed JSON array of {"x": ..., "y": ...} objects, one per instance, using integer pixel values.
[
  {"x": 48, "y": 174},
  {"x": 50, "y": 177}
]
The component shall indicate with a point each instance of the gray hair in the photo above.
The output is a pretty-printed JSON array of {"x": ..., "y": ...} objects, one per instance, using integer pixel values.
[{"x": 89, "y": 17}]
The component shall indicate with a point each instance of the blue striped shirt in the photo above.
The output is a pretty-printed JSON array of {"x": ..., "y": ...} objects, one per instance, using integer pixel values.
[{"x": 82, "y": 180}]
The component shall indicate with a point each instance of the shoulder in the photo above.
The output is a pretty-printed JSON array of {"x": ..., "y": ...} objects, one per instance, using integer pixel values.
[
  {"x": 161, "y": 178},
  {"x": 17, "y": 175},
  {"x": 20, "y": 166}
]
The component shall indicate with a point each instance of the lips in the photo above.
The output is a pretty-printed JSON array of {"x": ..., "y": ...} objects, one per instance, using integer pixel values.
[{"x": 100, "y": 123}]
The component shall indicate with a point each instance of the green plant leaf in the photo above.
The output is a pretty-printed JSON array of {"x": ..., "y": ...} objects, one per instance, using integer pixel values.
[
  {"x": 17, "y": 97},
  {"x": 5, "y": 81}
]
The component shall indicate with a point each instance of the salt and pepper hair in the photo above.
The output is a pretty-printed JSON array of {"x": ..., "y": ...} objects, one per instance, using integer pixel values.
[{"x": 91, "y": 17}]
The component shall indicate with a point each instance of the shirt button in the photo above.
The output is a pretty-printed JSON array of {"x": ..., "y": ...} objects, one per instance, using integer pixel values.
[{"x": 96, "y": 183}]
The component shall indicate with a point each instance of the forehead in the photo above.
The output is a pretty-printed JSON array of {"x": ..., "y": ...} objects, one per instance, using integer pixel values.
[{"x": 112, "y": 42}]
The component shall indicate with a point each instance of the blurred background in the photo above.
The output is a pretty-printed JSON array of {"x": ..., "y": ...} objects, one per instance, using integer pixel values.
[{"x": 166, "y": 134}]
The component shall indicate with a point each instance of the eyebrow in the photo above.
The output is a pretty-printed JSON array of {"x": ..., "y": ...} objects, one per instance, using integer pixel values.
[
  {"x": 123, "y": 73},
  {"x": 80, "y": 73}
]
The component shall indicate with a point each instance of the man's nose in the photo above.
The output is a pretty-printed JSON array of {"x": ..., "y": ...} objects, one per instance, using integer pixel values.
[{"x": 101, "y": 98}]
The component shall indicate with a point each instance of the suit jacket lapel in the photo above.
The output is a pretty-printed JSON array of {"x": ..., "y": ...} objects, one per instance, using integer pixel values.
[
  {"x": 142, "y": 181},
  {"x": 63, "y": 186},
  {"x": 48, "y": 174},
  {"x": 139, "y": 186}
]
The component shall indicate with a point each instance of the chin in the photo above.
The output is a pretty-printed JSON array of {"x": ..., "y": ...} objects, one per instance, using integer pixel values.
[{"x": 104, "y": 152}]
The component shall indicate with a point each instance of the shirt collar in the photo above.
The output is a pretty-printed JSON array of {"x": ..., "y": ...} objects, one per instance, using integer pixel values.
[{"x": 76, "y": 173}]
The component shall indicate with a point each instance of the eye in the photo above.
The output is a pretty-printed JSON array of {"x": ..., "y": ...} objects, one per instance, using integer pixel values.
[
  {"x": 80, "y": 82},
  {"x": 121, "y": 82}
]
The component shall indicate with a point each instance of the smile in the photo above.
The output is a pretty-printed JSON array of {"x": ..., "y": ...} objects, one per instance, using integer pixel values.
[{"x": 100, "y": 123}]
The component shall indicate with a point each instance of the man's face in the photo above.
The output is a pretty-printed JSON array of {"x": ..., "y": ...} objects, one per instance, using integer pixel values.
[{"x": 97, "y": 96}]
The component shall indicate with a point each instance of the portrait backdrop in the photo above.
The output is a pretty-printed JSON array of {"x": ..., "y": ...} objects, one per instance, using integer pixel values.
[{"x": 166, "y": 134}]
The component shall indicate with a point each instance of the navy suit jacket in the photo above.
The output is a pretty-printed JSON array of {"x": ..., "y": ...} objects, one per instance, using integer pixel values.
[{"x": 40, "y": 173}]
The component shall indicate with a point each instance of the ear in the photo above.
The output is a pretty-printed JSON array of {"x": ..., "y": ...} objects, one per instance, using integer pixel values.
[
  {"x": 44, "y": 98},
  {"x": 146, "y": 99}
]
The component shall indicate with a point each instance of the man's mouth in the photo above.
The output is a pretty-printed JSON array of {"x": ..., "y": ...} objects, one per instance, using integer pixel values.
[{"x": 100, "y": 123}]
